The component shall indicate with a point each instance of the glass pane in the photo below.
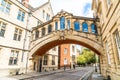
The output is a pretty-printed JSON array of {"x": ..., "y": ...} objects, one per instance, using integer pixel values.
[
  {"x": 76, "y": 26},
  {"x": 19, "y": 37},
  {"x": 11, "y": 60},
  {"x": 93, "y": 28},
  {"x": 3, "y": 26},
  {"x": 2, "y": 32},
  {"x": 3, "y": 3},
  {"x": 22, "y": 19},
  {"x": 43, "y": 31},
  {"x": 15, "y": 61},
  {"x": 12, "y": 53},
  {"x": 49, "y": 28},
  {"x": 16, "y": 30},
  {"x": 62, "y": 23},
  {"x": 18, "y": 17},
  {"x": 7, "y": 10},
  {"x": 19, "y": 12},
  {"x": 15, "y": 55},
  {"x": 85, "y": 27},
  {"x": 23, "y": 14},
  {"x": 8, "y": 5},
  {"x": 15, "y": 37},
  {"x": 56, "y": 25},
  {"x": 2, "y": 8},
  {"x": 20, "y": 31}
]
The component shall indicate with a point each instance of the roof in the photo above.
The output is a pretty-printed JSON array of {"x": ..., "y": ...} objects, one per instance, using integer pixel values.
[{"x": 34, "y": 9}]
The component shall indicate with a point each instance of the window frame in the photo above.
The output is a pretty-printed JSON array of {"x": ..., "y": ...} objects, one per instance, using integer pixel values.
[
  {"x": 84, "y": 26},
  {"x": 53, "y": 59},
  {"x": 2, "y": 28},
  {"x": 13, "y": 58},
  {"x": 45, "y": 61},
  {"x": 4, "y": 7},
  {"x": 21, "y": 15},
  {"x": 76, "y": 25},
  {"x": 62, "y": 23},
  {"x": 17, "y": 34}
]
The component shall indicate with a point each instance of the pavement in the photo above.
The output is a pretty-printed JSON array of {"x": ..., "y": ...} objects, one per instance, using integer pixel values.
[{"x": 91, "y": 74}]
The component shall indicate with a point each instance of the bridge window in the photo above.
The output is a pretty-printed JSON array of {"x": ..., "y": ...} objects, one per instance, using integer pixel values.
[
  {"x": 68, "y": 24},
  {"x": 76, "y": 26},
  {"x": 49, "y": 28},
  {"x": 85, "y": 27},
  {"x": 117, "y": 40},
  {"x": 36, "y": 34},
  {"x": 62, "y": 23},
  {"x": 93, "y": 28},
  {"x": 45, "y": 60},
  {"x": 56, "y": 25},
  {"x": 43, "y": 31}
]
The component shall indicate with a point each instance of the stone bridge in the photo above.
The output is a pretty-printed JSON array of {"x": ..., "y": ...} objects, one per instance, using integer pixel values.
[{"x": 66, "y": 28}]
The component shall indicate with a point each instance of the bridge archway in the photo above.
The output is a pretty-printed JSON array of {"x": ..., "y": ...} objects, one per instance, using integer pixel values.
[
  {"x": 66, "y": 37},
  {"x": 68, "y": 30}
]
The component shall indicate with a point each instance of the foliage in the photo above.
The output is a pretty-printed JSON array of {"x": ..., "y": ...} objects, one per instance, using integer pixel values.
[{"x": 87, "y": 57}]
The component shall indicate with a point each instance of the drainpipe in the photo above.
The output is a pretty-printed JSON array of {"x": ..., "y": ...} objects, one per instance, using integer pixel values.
[{"x": 25, "y": 41}]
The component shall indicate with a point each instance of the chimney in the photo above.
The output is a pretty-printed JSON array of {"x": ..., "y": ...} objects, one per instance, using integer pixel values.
[{"x": 25, "y": 3}]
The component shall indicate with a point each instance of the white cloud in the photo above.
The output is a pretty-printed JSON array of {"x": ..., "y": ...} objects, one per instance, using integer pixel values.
[{"x": 73, "y": 6}]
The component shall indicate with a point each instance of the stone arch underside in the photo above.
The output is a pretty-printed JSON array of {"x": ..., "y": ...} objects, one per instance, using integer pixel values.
[{"x": 43, "y": 46}]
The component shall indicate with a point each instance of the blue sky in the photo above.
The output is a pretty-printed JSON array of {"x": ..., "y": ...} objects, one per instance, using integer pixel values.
[{"x": 77, "y": 7}]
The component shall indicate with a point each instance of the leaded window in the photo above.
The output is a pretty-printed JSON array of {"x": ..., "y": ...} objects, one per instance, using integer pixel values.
[
  {"x": 36, "y": 34},
  {"x": 43, "y": 32},
  {"x": 45, "y": 60},
  {"x": 17, "y": 34},
  {"x": 49, "y": 28},
  {"x": 62, "y": 23},
  {"x": 5, "y": 6},
  {"x": 13, "y": 60},
  {"x": 21, "y": 15},
  {"x": 2, "y": 29},
  {"x": 85, "y": 27},
  {"x": 53, "y": 60},
  {"x": 93, "y": 28},
  {"x": 47, "y": 17},
  {"x": 76, "y": 26}
]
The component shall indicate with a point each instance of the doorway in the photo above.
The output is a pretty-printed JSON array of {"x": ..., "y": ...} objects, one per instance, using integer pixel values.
[{"x": 40, "y": 65}]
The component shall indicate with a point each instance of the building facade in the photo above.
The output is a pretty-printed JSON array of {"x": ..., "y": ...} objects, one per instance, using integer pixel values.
[
  {"x": 16, "y": 21},
  {"x": 68, "y": 52},
  {"x": 108, "y": 11}
]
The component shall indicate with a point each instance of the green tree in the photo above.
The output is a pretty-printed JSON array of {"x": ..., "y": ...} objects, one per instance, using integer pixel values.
[
  {"x": 81, "y": 59},
  {"x": 87, "y": 56}
]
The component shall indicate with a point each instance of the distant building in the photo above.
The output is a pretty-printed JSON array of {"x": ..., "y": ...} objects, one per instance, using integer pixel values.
[{"x": 70, "y": 53}]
